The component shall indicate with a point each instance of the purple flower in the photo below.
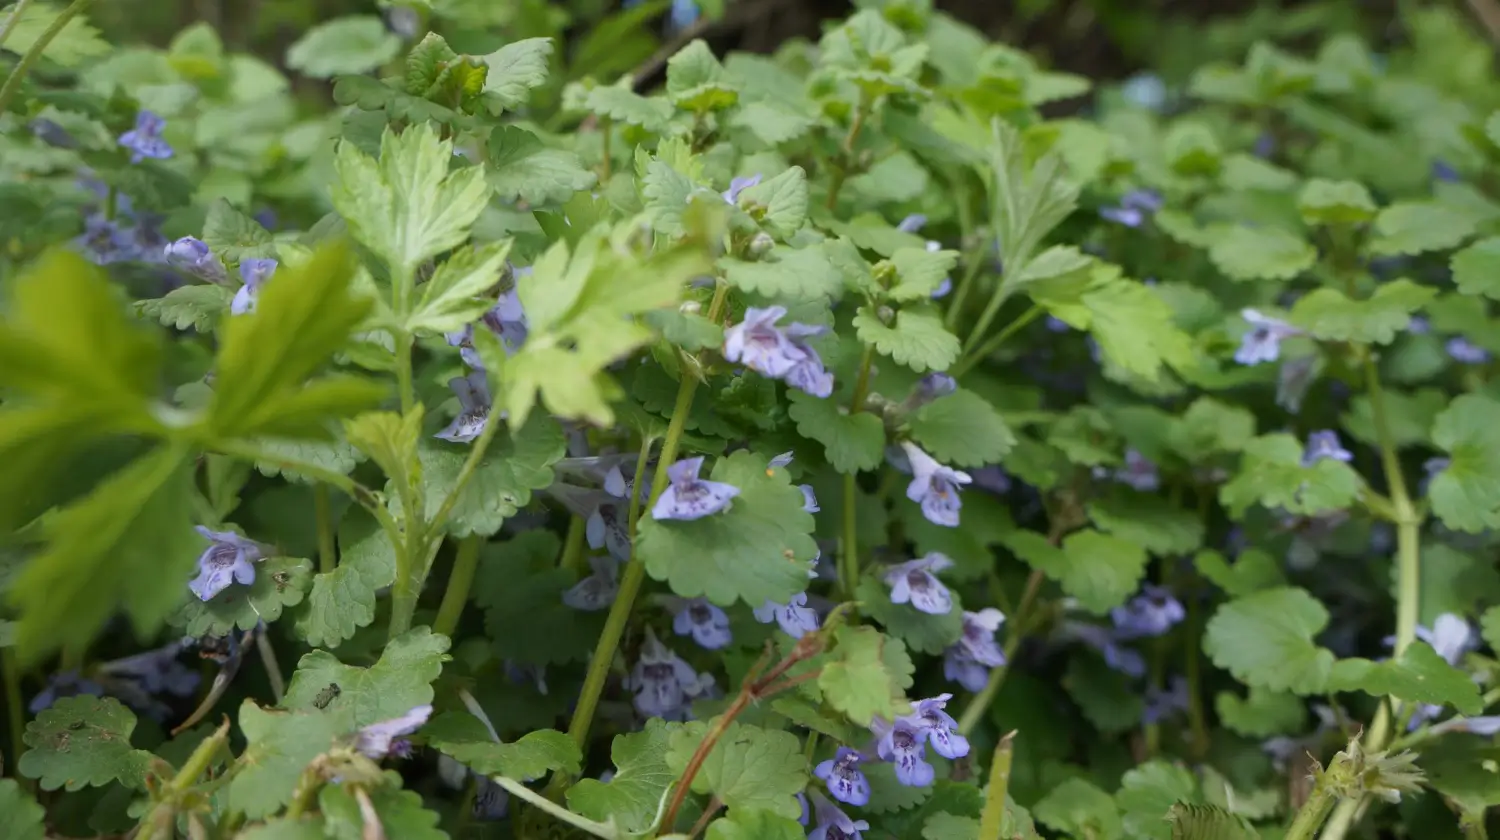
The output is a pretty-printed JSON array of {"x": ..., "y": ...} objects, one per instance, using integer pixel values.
[
  {"x": 1486, "y": 726},
  {"x": 1467, "y": 352},
  {"x": 759, "y": 344},
  {"x": 691, "y": 497},
  {"x": 834, "y": 824},
  {"x": 968, "y": 661},
  {"x": 808, "y": 374},
  {"x": 1451, "y": 636},
  {"x": 663, "y": 683},
  {"x": 229, "y": 559},
  {"x": 385, "y": 738},
  {"x": 914, "y": 582},
  {"x": 605, "y": 527},
  {"x": 1139, "y": 472},
  {"x": 705, "y": 622},
  {"x": 904, "y": 744},
  {"x": 1263, "y": 342},
  {"x": 809, "y": 500},
  {"x": 739, "y": 185},
  {"x": 1441, "y": 171},
  {"x": 1433, "y": 467},
  {"x": 1324, "y": 444},
  {"x": 940, "y": 727},
  {"x": 806, "y": 815},
  {"x": 63, "y": 684},
  {"x": 1162, "y": 704},
  {"x": 104, "y": 242},
  {"x": 255, "y": 272},
  {"x": 597, "y": 591},
  {"x": 846, "y": 782},
  {"x": 1123, "y": 659},
  {"x": 1419, "y": 325},
  {"x": 782, "y": 460},
  {"x": 1134, "y": 208},
  {"x": 144, "y": 141},
  {"x": 191, "y": 256},
  {"x": 795, "y": 618},
  {"x": 474, "y": 408},
  {"x": 912, "y": 223},
  {"x": 506, "y": 319},
  {"x": 934, "y": 486},
  {"x": 681, "y": 15},
  {"x": 1151, "y": 613},
  {"x": 929, "y": 388}
]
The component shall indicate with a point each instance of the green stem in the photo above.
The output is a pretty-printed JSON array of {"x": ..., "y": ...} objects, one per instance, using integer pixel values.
[
  {"x": 536, "y": 800},
  {"x": 848, "y": 566},
  {"x": 607, "y": 126},
  {"x": 33, "y": 55},
  {"x": 162, "y": 813},
  {"x": 1312, "y": 814},
  {"x": 966, "y": 284},
  {"x": 16, "y": 13},
  {"x": 15, "y": 711},
  {"x": 273, "y": 667},
  {"x": 459, "y": 582},
  {"x": 572, "y": 550},
  {"x": 982, "y": 352},
  {"x": 996, "y": 791},
  {"x": 976, "y": 708},
  {"x": 328, "y": 555},
  {"x": 403, "y": 371},
  {"x": 846, "y": 154}
]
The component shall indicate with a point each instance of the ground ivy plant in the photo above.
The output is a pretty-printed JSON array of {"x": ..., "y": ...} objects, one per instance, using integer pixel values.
[{"x": 828, "y": 444}]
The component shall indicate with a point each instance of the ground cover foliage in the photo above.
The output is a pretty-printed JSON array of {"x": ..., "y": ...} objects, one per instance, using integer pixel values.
[{"x": 833, "y": 443}]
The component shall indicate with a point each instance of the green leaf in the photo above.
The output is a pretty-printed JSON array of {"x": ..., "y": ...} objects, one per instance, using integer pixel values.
[
  {"x": 1136, "y": 329},
  {"x": 517, "y": 68},
  {"x": 750, "y": 824},
  {"x": 1409, "y": 416},
  {"x": 280, "y": 744},
  {"x": 1416, "y": 227},
  {"x": 1210, "y": 427},
  {"x": 512, "y": 469},
  {"x": 1325, "y": 202},
  {"x": 1149, "y": 521},
  {"x": 1192, "y": 149},
  {"x": 1490, "y": 626},
  {"x": 1081, "y": 809},
  {"x": 1104, "y": 695},
  {"x": 749, "y": 767},
  {"x": 128, "y": 545},
  {"x": 851, "y": 442},
  {"x": 400, "y": 812},
  {"x": 265, "y": 359},
  {"x": 83, "y": 742},
  {"x": 665, "y": 193},
  {"x": 1418, "y": 675},
  {"x": 942, "y": 826},
  {"x": 520, "y": 586},
  {"x": 343, "y": 600},
  {"x": 920, "y": 272},
  {"x": 785, "y": 272},
  {"x": 1271, "y": 474},
  {"x": 866, "y": 676},
  {"x": 756, "y": 550},
  {"x": 76, "y": 43},
  {"x": 336, "y": 456},
  {"x": 962, "y": 429},
  {"x": 390, "y": 688},
  {"x": 772, "y": 123},
  {"x": 523, "y": 168},
  {"x": 1246, "y": 253},
  {"x": 1476, "y": 269},
  {"x": 1261, "y": 714},
  {"x": 198, "y": 307},
  {"x": 1466, "y": 493},
  {"x": 455, "y": 296},
  {"x": 410, "y": 205},
  {"x": 1100, "y": 570},
  {"x": 635, "y": 793},
  {"x": 351, "y": 44},
  {"x": 917, "y": 339},
  {"x": 1331, "y": 315},
  {"x": 687, "y": 330},
  {"x": 920, "y": 631},
  {"x": 1208, "y": 822},
  {"x": 466, "y": 739},
  {"x": 280, "y": 582},
  {"x": 1148, "y": 792},
  {"x": 1252, "y": 571},
  {"x": 696, "y": 80},
  {"x": 21, "y": 818},
  {"x": 1266, "y": 641},
  {"x": 624, "y": 105},
  {"x": 780, "y": 204},
  {"x": 391, "y": 440}
]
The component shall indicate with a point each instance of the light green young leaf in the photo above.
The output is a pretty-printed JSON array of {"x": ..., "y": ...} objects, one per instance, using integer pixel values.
[
  {"x": 198, "y": 306},
  {"x": 466, "y": 739},
  {"x": 1059, "y": 263},
  {"x": 1192, "y": 149},
  {"x": 350, "y": 44},
  {"x": 749, "y": 767},
  {"x": 343, "y": 600},
  {"x": 1246, "y": 253},
  {"x": 1418, "y": 675},
  {"x": 632, "y": 797},
  {"x": 428, "y": 62},
  {"x": 75, "y": 44},
  {"x": 920, "y": 631},
  {"x": 917, "y": 339},
  {"x": 1136, "y": 329},
  {"x": 1261, "y": 714},
  {"x": 1080, "y": 809},
  {"x": 696, "y": 80},
  {"x": 520, "y": 586},
  {"x": 391, "y": 440},
  {"x": 83, "y": 741},
  {"x": 1100, "y": 570},
  {"x": 1210, "y": 427},
  {"x": 624, "y": 105},
  {"x": 1266, "y": 641},
  {"x": 1244, "y": 172},
  {"x": 523, "y": 168},
  {"x": 962, "y": 429},
  {"x": 1325, "y": 202},
  {"x": 333, "y": 455},
  {"x": 390, "y": 688},
  {"x": 786, "y": 272},
  {"x": 455, "y": 296},
  {"x": 21, "y": 818},
  {"x": 400, "y": 812},
  {"x": 773, "y": 123},
  {"x": 751, "y": 824},
  {"x": 866, "y": 676},
  {"x": 516, "y": 465},
  {"x": 1416, "y": 227},
  {"x": 1476, "y": 269},
  {"x": 1466, "y": 493},
  {"x": 920, "y": 272},
  {"x": 851, "y": 442},
  {"x": 280, "y": 582},
  {"x": 1148, "y": 792},
  {"x": 515, "y": 69},
  {"x": 756, "y": 550},
  {"x": 1149, "y": 521},
  {"x": 1252, "y": 571},
  {"x": 1271, "y": 474},
  {"x": 780, "y": 204},
  {"x": 410, "y": 205},
  {"x": 1330, "y": 314},
  {"x": 280, "y": 744},
  {"x": 234, "y": 236}
]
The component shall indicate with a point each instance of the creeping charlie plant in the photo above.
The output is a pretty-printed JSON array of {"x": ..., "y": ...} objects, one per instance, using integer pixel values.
[{"x": 826, "y": 444}]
